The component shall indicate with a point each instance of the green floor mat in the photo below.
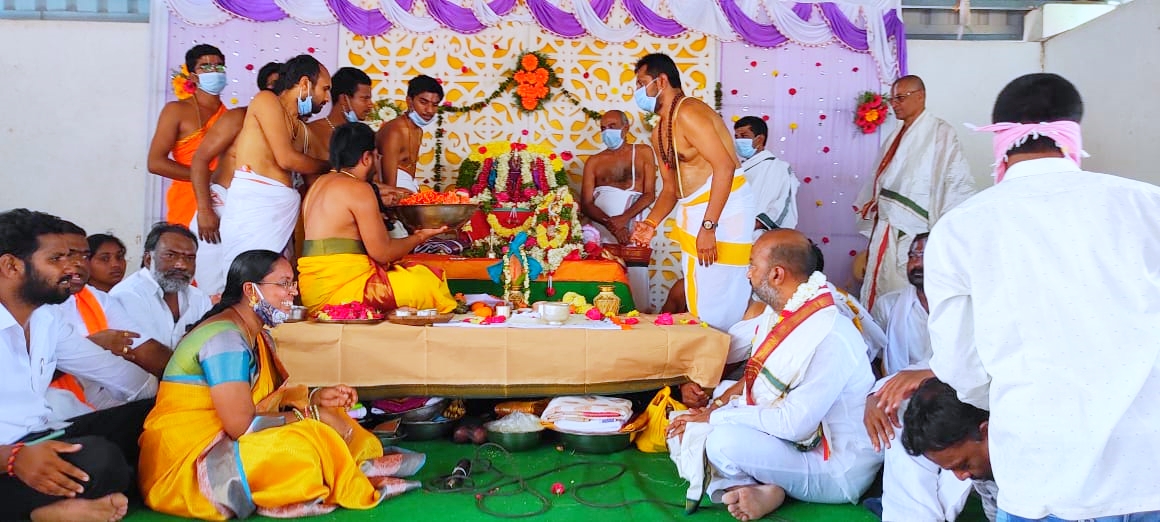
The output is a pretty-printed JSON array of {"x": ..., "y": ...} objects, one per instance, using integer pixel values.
[{"x": 648, "y": 476}]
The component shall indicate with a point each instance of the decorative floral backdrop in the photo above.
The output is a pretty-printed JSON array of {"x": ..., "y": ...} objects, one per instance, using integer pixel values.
[{"x": 808, "y": 95}]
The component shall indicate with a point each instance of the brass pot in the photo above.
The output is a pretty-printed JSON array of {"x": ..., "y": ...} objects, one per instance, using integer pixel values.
[{"x": 607, "y": 301}]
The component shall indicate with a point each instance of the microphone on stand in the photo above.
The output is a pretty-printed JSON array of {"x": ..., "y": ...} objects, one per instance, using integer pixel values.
[{"x": 459, "y": 474}]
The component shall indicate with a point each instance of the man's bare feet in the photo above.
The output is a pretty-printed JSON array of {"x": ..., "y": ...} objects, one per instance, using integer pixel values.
[
  {"x": 753, "y": 502},
  {"x": 109, "y": 508}
]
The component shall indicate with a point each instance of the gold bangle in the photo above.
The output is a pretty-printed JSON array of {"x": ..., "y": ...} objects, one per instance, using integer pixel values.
[
  {"x": 310, "y": 397},
  {"x": 649, "y": 222},
  {"x": 718, "y": 403},
  {"x": 298, "y": 414}
]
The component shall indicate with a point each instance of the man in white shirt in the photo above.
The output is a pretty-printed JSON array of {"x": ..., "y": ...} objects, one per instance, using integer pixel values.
[
  {"x": 82, "y": 474},
  {"x": 914, "y": 489},
  {"x": 921, "y": 174},
  {"x": 105, "y": 322},
  {"x": 791, "y": 426},
  {"x": 159, "y": 296},
  {"x": 942, "y": 429},
  {"x": 1071, "y": 376},
  {"x": 774, "y": 184}
]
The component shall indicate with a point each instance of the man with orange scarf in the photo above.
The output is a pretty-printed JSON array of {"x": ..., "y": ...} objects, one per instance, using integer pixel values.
[
  {"x": 102, "y": 319},
  {"x": 183, "y": 124}
]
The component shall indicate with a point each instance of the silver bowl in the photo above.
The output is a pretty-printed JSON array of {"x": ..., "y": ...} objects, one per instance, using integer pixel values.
[
  {"x": 452, "y": 216},
  {"x": 424, "y": 413}
]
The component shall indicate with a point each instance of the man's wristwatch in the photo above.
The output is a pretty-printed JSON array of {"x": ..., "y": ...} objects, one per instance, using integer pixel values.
[{"x": 709, "y": 225}]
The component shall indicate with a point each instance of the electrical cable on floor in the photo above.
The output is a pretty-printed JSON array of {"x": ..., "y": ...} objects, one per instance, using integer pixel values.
[{"x": 502, "y": 485}]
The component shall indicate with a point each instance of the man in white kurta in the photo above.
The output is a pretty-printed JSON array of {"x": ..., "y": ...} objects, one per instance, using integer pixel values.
[
  {"x": 921, "y": 174},
  {"x": 1071, "y": 375},
  {"x": 774, "y": 184},
  {"x": 791, "y": 427},
  {"x": 913, "y": 487}
]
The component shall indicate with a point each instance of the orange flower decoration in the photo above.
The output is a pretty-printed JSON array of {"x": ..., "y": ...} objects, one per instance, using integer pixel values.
[
  {"x": 530, "y": 62},
  {"x": 533, "y": 79}
]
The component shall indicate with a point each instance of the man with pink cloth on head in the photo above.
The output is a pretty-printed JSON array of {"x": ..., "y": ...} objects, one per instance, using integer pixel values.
[
  {"x": 1071, "y": 374},
  {"x": 920, "y": 174}
]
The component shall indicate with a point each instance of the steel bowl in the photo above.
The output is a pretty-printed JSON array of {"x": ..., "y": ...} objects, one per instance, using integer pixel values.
[
  {"x": 424, "y": 413},
  {"x": 596, "y": 444},
  {"x": 452, "y": 216},
  {"x": 428, "y": 430},
  {"x": 515, "y": 441}
]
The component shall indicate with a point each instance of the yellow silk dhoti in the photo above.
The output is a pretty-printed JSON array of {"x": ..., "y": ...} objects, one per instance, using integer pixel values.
[{"x": 338, "y": 271}]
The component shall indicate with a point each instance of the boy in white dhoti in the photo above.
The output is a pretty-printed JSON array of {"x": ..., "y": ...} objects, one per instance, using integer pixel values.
[
  {"x": 790, "y": 427},
  {"x": 700, "y": 173},
  {"x": 774, "y": 184},
  {"x": 262, "y": 208},
  {"x": 921, "y": 174}
]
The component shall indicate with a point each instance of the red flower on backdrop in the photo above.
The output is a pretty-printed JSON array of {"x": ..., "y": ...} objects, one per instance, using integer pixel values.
[{"x": 871, "y": 112}]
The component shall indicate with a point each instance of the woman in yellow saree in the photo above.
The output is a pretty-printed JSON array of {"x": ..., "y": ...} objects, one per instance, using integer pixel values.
[{"x": 228, "y": 437}]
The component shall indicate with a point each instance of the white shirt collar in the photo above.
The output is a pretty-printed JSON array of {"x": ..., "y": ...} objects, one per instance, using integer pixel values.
[
  {"x": 6, "y": 319},
  {"x": 1040, "y": 166}
]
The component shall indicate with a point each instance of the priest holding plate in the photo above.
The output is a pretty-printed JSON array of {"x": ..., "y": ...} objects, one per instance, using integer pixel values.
[{"x": 348, "y": 255}]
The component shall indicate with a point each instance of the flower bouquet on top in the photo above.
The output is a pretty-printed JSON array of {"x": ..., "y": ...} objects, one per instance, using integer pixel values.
[
  {"x": 871, "y": 112},
  {"x": 385, "y": 110}
]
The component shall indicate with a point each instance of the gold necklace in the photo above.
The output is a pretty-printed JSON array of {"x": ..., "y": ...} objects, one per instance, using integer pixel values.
[{"x": 343, "y": 171}]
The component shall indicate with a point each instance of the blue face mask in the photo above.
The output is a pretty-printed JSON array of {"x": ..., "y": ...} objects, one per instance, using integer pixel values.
[
  {"x": 212, "y": 82},
  {"x": 613, "y": 138},
  {"x": 744, "y": 147},
  {"x": 306, "y": 106},
  {"x": 418, "y": 119},
  {"x": 270, "y": 315},
  {"x": 351, "y": 116},
  {"x": 643, "y": 100}
]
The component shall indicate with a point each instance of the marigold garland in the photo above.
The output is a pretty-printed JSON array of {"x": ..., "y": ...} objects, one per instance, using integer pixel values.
[
  {"x": 183, "y": 84},
  {"x": 505, "y": 232}
]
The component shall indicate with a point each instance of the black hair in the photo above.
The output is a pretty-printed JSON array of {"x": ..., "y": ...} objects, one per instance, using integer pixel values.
[
  {"x": 658, "y": 63},
  {"x": 821, "y": 264},
  {"x": 349, "y": 142},
  {"x": 755, "y": 124},
  {"x": 1035, "y": 98},
  {"x": 423, "y": 83},
  {"x": 250, "y": 266},
  {"x": 936, "y": 419},
  {"x": 20, "y": 231},
  {"x": 73, "y": 229},
  {"x": 161, "y": 228},
  {"x": 346, "y": 81},
  {"x": 199, "y": 50},
  {"x": 294, "y": 69},
  {"x": 264, "y": 75},
  {"x": 798, "y": 257},
  {"x": 96, "y": 241}
]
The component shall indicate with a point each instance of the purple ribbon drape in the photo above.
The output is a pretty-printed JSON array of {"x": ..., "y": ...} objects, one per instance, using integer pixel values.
[
  {"x": 461, "y": 19},
  {"x": 757, "y": 34},
  {"x": 253, "y": 10},
  {"x": 363, "y": 22},
  {"x": 897, "y": 30},
  {"x": 562, "y": 22},
  {"x": 652, "y": 22},
  {"x": 804, "y": 10}
]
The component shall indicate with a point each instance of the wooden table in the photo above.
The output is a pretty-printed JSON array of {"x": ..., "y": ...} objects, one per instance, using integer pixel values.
[{"x": 389, "y": 360}]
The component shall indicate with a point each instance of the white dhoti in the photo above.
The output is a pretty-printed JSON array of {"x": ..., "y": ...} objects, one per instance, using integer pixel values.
[
  {"x": 260, "y": 214},
  {"x": 614, "y": 202},
  {"x": 726, "y": 288},
  {"x": 405, "y": 180},
  {"x": 914, "y": 489},
  {"x": 210, "y": 272}
]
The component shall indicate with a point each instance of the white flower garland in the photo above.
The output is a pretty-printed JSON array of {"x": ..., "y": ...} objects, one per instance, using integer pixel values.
[{"x": 805, "y": 291}]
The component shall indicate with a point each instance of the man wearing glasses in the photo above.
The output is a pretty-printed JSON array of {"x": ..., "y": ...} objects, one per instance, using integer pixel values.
[
  {"x": 183, "y": 124},
  {"x": 159, "y": 295},
  {"x": 921, "y": 173}
]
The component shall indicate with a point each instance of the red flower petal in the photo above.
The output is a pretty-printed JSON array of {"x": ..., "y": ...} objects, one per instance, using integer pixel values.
[
  {"x": 464, "y": 69},
  {"x": 753, "y": 64},
  {"x": 826, "y": 149},
  {"x": 495, "y": 46},
  {"x": 566, "y": 156},
  {"x": 483, "y": 150},
  {"x": 586, "y": 75},
  {"x": 825, "y": 240},
  {"x": 821, "y": 116},
  {"x": 807, "y": 179},
  {"x": 524, "y": 132},
  {"x": 853, "y": 252},
  {"x": 734, "y": 91},
  {"x": 439, "y": 81},
  {"x": 249, "y": 66},
  {"x": 855, "y": 69},
  {"x": 817, "y": 64},
  {"x": 552, "y": 156},
  {"x": 792, "y": 91},
  {"x": 765, "y": 117},
  {"x": 310, "y": 50}
]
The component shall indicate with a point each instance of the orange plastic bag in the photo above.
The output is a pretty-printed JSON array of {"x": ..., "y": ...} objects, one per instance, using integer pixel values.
[{"x": 652, "y": 439}]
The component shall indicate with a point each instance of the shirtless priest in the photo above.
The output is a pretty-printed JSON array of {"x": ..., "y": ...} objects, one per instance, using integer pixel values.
[
  {"x": 619, "y": 181},
  {"x": 398, "y": 140},
  {"x": 700, "y": 172},
  {"x": 347, "y": 255}
]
